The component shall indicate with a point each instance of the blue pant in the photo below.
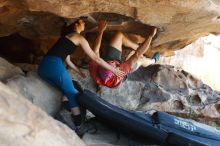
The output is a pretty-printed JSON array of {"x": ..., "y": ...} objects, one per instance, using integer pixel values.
[{"x": 53, "y": 71}]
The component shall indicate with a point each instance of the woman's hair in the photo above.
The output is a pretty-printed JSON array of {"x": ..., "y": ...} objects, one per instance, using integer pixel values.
[{"x": 70, "y": 28}]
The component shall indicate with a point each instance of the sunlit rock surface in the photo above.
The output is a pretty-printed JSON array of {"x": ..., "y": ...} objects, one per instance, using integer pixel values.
[
  {"x": 23, "y": 124},
  {"x": 37, "y": 91},
  {"x": 201, "y": 59},
  {"x": 31, "y": 86}
]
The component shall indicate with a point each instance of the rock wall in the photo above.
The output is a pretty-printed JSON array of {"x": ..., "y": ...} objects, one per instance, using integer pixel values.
[
  {"x": 157, "y": 87},
  {"x": 29, "y": 122},
  {"x": 199, "y": 59},
  {"x": 37, "y": 91},
  {"x": 31, "y": 86},
  {"x": 23, "y": 124},
  {"x": 177, "y": 92},
  {"x": 7, "y": 70},
  {"x": 162, "y": 88}
]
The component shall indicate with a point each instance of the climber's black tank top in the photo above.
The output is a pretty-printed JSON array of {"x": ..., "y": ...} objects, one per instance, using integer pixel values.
[{"x": 62, "y": 48}]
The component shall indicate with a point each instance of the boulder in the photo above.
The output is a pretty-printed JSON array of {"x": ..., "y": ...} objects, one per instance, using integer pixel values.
[
  {"x": 7, "y": 70},
  {"x": 127, "y": 95},
  {"x": 37, "y": 91},
  {"x": 163, "y": 88},
  {"x": 27, "y": 67},
  {"x": 177, "y": 92},
  {"x": 24, "y": 124},
  {"x": 85, "y": 83}
]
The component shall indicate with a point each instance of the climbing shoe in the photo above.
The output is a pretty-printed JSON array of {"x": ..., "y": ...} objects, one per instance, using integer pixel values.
[
  {"x": 64, "y": 116},
  {"x": 85, "y": 127}
]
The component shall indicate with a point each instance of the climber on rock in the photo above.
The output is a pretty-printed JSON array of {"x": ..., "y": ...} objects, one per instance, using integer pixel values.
[{"x": 113, "y": 56}]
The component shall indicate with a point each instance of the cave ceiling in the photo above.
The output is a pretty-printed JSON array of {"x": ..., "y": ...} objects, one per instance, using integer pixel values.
[{"x": 179, "y": 22}]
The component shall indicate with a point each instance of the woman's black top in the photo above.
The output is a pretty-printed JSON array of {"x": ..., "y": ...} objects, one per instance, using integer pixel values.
[{"x": 62, "y": 48}]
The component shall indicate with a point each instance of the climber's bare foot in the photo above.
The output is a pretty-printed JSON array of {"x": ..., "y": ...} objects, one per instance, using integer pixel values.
[{"x": 153, "y": 32}]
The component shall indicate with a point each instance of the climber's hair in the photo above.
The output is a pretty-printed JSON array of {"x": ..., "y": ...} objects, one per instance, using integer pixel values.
[
  {"x": 75, "y": 22},
  {"x": 69, "y": 29}
]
